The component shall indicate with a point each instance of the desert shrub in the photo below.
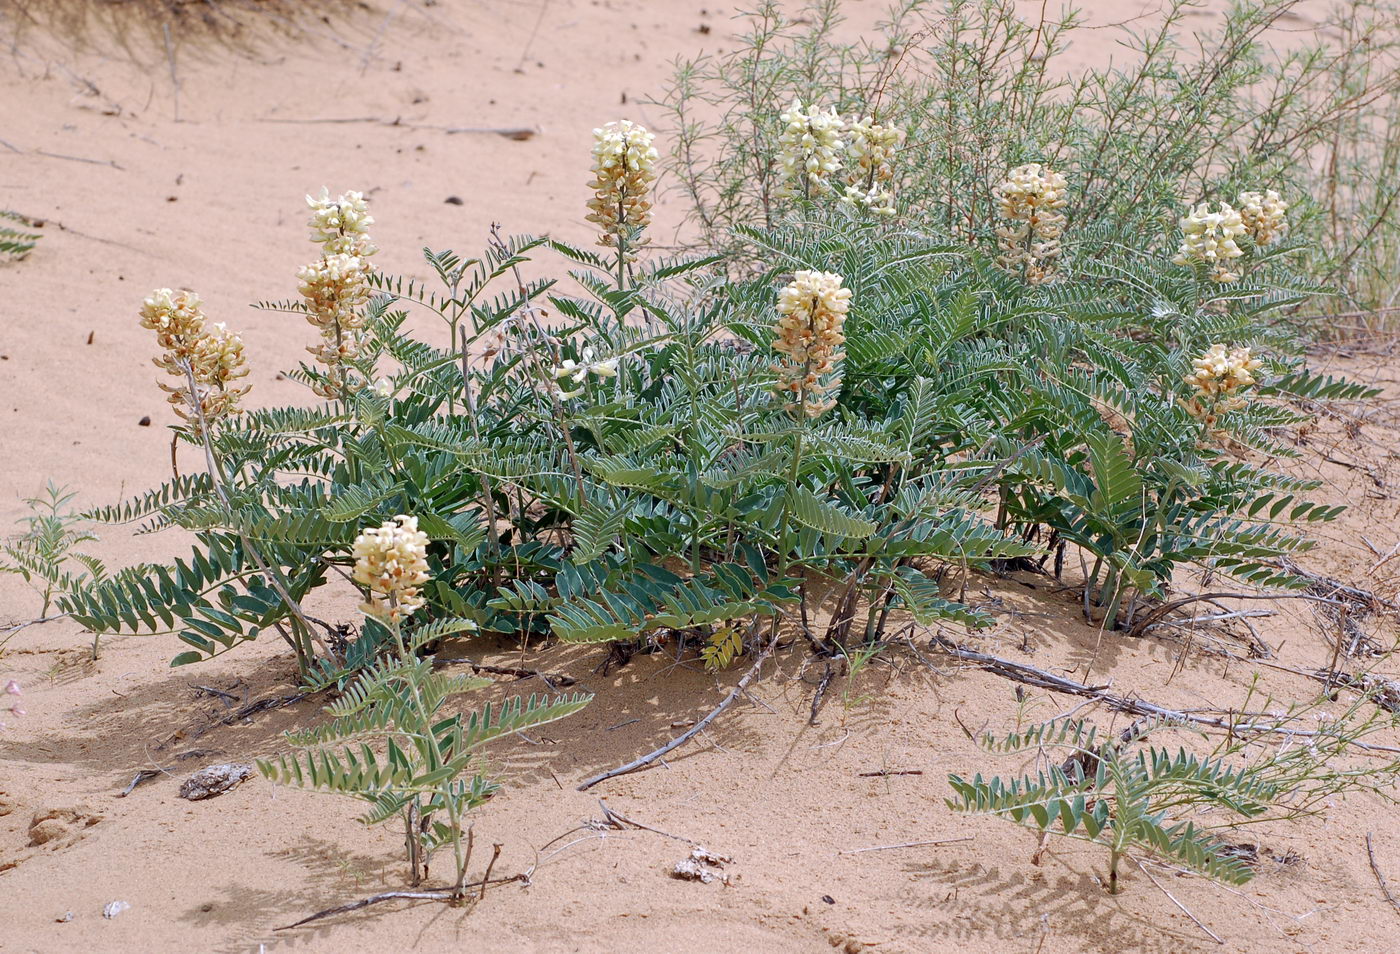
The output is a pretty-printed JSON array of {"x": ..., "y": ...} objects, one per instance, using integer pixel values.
[
  {"x": 837, "y": 416},
  {"x": 621, "y": 473},
  {"x": 977, "y": 88},
  {"x": 1075, "y": 402}
]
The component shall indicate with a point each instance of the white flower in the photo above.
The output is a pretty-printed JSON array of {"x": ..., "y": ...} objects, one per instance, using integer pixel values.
[
  {"x": 624, "y": 168},
  {"x": 1209, "y": 237},
  {"x": 341, "y": 225},
  {"x": 384, "y": 388},
  {"x": 1264, "y": 215},
  {"x": 580, "y": 370},
  {"x": 214, "y": 357},
  {"x": 808, "y": 333},
  {"x": 1218, "y": 378},
  {"x": 391, "y": 562},
  {"x": 1030, "y": 199},
  {"x": 809, "y": 150},
  {"x": 872, "y": 150}
]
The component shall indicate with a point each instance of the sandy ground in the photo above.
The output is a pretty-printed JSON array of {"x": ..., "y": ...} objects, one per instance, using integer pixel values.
[{"x": 192, "y": 176}]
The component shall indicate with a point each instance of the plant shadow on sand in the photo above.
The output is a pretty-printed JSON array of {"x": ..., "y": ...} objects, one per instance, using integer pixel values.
[
  {"x": 965, "y": 901},
  {"x": 324, "y": 870}
]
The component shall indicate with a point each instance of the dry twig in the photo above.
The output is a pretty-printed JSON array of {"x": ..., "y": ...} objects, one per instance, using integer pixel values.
[
  {"x": 1380, "y": 878},
  {"x": 694, "y": 730}
]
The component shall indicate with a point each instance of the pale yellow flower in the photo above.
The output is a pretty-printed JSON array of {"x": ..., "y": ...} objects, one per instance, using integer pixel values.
[
  {"x": 1264, "y": 214},
  {"x": 341, "y": 225},
  {"x": 808, "y": 335},
  {"x": 1209, "y": 237},
  {"x": 391, "y": 561},
  {"x": 809, "y": 150},
  {"x": 624, "y": 168},
  {"x": 212, "y": 359},
  {"x": 1218, "y": 378},
  {"x": 336, "y": 289},
  {"x": 872, "y": 148},
  {"x": 1030, "y": 199}
]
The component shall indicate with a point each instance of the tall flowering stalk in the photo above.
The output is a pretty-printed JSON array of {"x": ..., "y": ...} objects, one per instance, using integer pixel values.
[
  {"x": 808, "y": 335},
  {"x": 872, "y": 147},
  {"x": 1208, "y": 238},
  {"x": 1264, "y": 216},
  {"x": 336, "y": 287},
  {"x": 1218, "y": 378},
  {"x": 624, "y": 169},
  {"x": 210, "y": 360},
  {"x": 1030, "y": 199},
  {"x": 810, "y": 150},
  {"x": 207, "y": 360},
  {"x": 391, "y": 562}
]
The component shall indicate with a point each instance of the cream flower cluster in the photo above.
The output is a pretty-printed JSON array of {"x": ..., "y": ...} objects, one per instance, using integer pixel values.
[
  {"x": 1218, "y": 378},
  {"x": 214, "y": 357},
  {"x": 391, "y": 561},
  {"x": 1264, "y": 214},
  {"x": 588, "y": 363},
  {"x": 808, "y": 334},
  {"x": 1209, "y": 237},
  {"x": 341, "y": 225},
  {"x": 1030, "y": 199},
  {"x": 872, "y": 147},
  {"x": 809, "y": 150},
  {"x": 336, "y": 287},
  {"x": 624, "y": 168}
]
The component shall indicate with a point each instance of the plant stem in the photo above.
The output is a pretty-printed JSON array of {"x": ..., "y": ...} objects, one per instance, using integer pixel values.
[{"x": 274, "y": 577}]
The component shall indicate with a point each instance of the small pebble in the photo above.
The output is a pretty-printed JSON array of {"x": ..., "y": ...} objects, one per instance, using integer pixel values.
[
  {"x": 144, "y": 422},
  {"x": 112, "y": 908},
  {"x": 453, "y": 200}
]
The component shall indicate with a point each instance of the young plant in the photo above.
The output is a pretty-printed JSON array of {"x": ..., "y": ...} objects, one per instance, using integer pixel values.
[
  {"x": 1119, "y": 794},
  {"x": 16, "y": 243},
  {"x": 1141, "y": 800},
  {"x": 42, "y": 554},
  {"x": 419, "y": 773}
]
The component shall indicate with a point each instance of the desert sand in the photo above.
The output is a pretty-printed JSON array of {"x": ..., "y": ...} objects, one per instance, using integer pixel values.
[{"x": 188, "y": 170}]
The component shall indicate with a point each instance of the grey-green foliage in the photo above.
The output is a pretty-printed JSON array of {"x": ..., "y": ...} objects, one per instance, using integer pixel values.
[
  {"x": 386, "y": 745},
  {"x": 1067, "y": 401},
  {"x": 981, "y": 86},
  {"x": 1119, "y": 792},
  {"x": 16, "y": 242},
  {"x": 676, "y": 495},
  {"x": 673, "y": 496}
]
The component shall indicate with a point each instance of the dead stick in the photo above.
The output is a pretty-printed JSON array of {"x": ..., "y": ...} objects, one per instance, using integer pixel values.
[
  {"x": 444, "y": 894},
  {"x": 551, "y": 678},
  {"x": 1172, "y": 898},
  {"x": 884, "y": 772},
  {"x": 1041, "y": 679},
  {"x": 1380, "y": 878},
  {"x": 695, "y": 730},
  {"x": 906, "y": 844},
  {"x": 617, "y": 820},
  {"x": 486, "y": 878},
  {"x": 1161, "y": 611},
  {"x": 820, "y": 693}
]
